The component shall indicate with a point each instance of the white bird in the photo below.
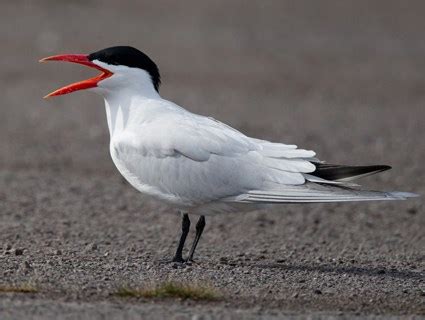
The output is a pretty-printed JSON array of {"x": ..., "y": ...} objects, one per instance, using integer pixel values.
[{"x": 197, "y": 164}]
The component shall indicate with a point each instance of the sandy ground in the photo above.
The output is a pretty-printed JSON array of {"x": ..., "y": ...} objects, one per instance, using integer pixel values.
[{"x": 340, "y": 77}]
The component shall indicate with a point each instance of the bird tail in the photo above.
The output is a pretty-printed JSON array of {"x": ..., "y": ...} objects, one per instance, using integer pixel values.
[
  {"x": 316, "y": 193},
  {"x": 334, "y": 172}
]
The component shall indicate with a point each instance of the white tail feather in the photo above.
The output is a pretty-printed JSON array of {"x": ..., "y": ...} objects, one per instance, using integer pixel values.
[{"x": 312, "y": 193}]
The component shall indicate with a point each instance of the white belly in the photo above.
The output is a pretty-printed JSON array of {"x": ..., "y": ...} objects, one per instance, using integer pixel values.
[
  {"x": 176, "y": 180},
  {"x": 134, "y": 169}
]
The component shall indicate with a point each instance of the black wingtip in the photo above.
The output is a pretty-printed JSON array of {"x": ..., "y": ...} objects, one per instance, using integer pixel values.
[
  {"x": 340, "y": 172},
  {"x": 377, "y": 168}
]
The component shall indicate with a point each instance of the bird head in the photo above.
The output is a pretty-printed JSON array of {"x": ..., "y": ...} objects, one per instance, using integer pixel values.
[{"x": 122, "y": 68}]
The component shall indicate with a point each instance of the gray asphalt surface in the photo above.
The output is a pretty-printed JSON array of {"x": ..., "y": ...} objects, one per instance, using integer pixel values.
[{"x": 344, "y": 78}]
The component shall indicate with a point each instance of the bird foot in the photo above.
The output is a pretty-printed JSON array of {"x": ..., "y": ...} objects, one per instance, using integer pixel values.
[
  {"x": 182, "y": 262},
  {"x": 178, "y": 261}
]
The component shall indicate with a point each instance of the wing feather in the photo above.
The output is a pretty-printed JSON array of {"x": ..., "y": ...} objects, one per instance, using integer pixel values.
[
  {"x": 313, "y": 193},
  {"x": 198, "y": 138}
]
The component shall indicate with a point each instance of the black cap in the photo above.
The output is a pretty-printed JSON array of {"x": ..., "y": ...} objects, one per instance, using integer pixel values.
[{"x": 130, "y": 57}]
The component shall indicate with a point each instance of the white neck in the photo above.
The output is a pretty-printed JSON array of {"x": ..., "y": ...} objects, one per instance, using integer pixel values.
[
  {"x": 126, "y": 94},
  {"x": 125, "y": 109}
]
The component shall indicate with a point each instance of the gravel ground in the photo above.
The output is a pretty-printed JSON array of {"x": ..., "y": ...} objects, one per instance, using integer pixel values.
[{"x": 343, "y": 78}]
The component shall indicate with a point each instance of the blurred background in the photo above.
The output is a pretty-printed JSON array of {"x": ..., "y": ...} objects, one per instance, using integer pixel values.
[{"x": 344, "y": 78}]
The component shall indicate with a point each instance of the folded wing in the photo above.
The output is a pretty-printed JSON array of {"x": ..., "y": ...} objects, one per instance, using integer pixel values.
[{"x": 199, "y": 160}]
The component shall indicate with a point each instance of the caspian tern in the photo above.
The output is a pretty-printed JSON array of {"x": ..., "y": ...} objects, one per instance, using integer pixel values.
[{"x": 197, "y": 164}]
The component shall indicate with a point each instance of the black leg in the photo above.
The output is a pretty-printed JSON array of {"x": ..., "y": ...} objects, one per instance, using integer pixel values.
[
  {"x": 199, "y": 229},
  {"x": 185, "y": 230}
]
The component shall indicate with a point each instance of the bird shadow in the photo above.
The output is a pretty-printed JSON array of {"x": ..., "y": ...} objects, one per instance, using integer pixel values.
[{"x": 354, "y": 270}]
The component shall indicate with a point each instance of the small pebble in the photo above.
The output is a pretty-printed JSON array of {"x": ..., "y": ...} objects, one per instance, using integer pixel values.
[
  {"x": 412, "y": 211},
  {"x": 223, "y": 259},
  {"x": 317, "y": 291},
  {"x": 90, "y": 247},
  {"x": 26, "y": 265},
  {"x": 19, "y": 252}
]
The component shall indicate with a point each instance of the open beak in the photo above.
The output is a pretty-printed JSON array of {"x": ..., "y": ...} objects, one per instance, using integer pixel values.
[{"x": 85, "y": 84}]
